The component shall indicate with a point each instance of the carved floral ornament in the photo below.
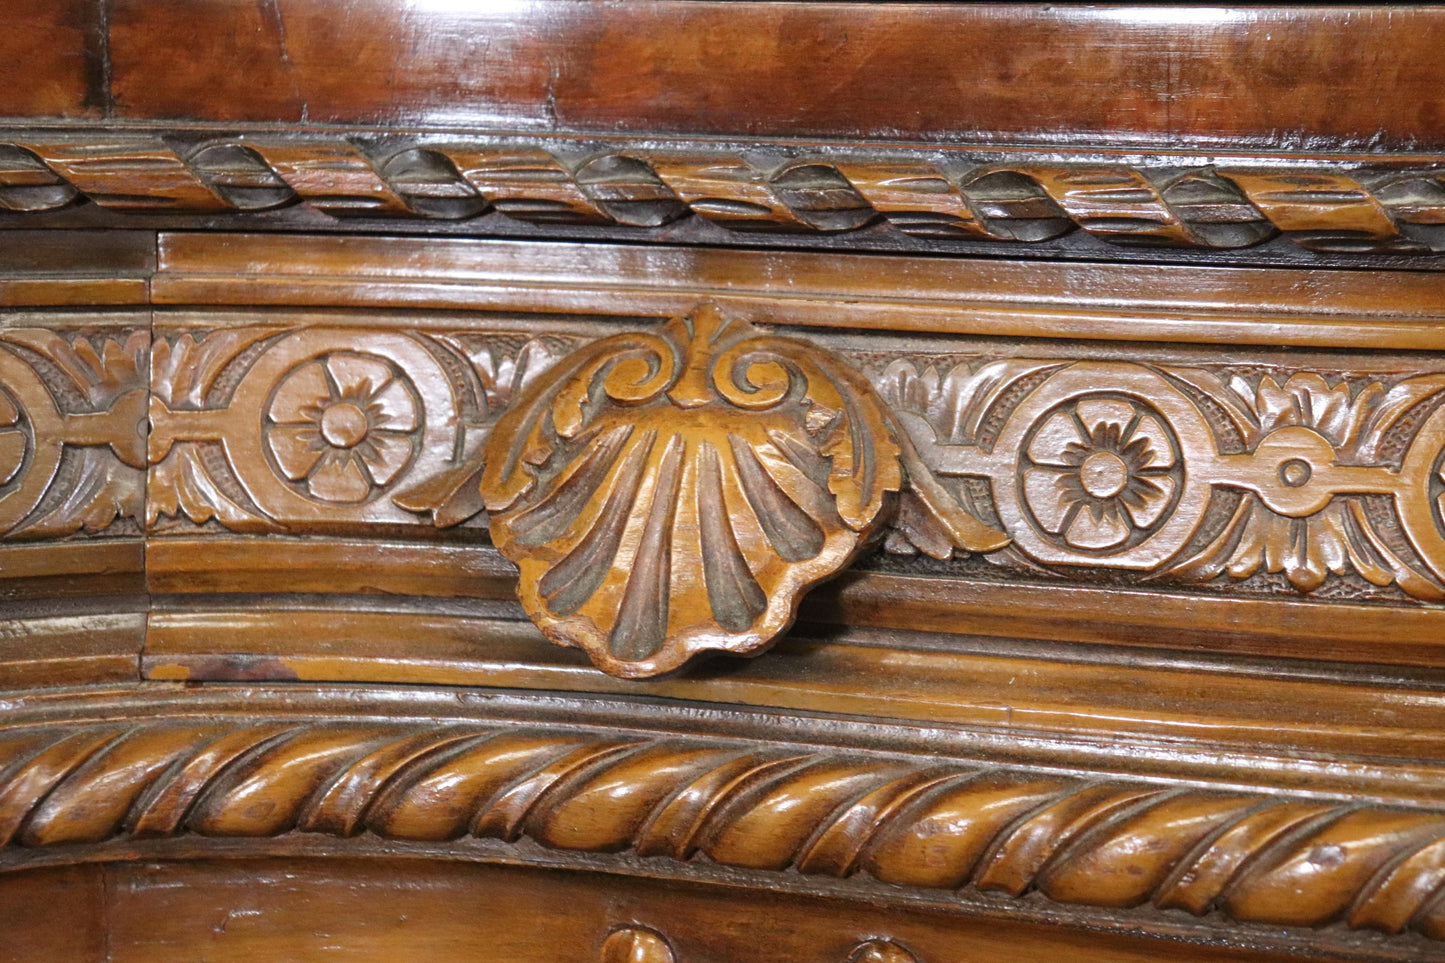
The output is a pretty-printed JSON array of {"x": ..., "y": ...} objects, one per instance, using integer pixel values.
[{"x": 676, "y": 489}]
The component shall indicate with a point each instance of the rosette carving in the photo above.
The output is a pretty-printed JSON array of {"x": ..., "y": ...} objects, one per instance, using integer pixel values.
[{"x": 674, "y": 491}]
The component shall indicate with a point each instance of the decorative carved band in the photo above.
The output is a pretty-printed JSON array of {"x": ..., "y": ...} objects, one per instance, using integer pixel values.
[
  {"x": 1192, "y": 473},
  {"x": 940, "y": 195},
  {"x": 1233, "y": 476},
  {"x": 1278, "y": 860},
  {"x": 1214, "y": 473},
  {"x": 72, "y": 430}
]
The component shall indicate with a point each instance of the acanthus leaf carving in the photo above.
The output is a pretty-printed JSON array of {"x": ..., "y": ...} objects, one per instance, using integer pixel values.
[
  {"x": 72, "y": 429},
  {"x": 454, "y": 496},
  {"x": 1239, "y": 476},
  {"x": 1191, "y": 474}
]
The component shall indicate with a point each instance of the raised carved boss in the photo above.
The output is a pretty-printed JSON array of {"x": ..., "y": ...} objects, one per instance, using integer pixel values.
[{"x": 673, "y": 491}]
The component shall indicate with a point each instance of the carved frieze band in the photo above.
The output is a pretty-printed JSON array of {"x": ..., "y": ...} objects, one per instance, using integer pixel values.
[
  {"x": 1247, "y": 856},
  {"x": 72, "y": 430},
  {"x": 1214, "y": 473},
  {"x": 1230, "y": 476},
  {"x": 1333, "y": 207},
  {"x": 1190, "y": 473},
  {"x": 662, "y": 492}
]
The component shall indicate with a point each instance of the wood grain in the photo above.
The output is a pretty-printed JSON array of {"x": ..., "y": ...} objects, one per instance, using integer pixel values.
[
  {"x": 1138, "y": 652},
  {"x": 1252, "y": 719},
  {"x": 915, "y": 295},
  {"x": 720, "y": 473},
  {"x": 378, "y": 910},
  {"x": 52, "y": 60},
  {"x": 1273, "y": 76}
]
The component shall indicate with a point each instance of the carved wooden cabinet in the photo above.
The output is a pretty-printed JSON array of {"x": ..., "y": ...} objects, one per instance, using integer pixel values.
[{"x": 687, "y": 482}]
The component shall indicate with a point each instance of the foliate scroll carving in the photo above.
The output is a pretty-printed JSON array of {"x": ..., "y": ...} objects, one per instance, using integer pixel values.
[
  {"x": 72, "y": 430},
  {"x": 264, "y": 428},
  {"x": 935, "y": 195},
  {"x": 1192, "y": 473},
  {"x": 1239, "y": 477},
  {"x": 669, "y": 492},
  {"x": 1275, "y": 859}
]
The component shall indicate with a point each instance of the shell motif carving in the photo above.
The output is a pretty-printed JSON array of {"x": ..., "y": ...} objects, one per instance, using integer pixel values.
[{"x": 676, "y": 490}]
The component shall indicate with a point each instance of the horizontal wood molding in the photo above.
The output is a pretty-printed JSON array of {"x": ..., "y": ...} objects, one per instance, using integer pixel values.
[
  {"x": 1235, "y": 717},
  {"x": 943, "y": 829},
  {"x": 1009, "y": 72},
  {"x": 935, "y": 199},
  {"x": 1105, "y": 302}
]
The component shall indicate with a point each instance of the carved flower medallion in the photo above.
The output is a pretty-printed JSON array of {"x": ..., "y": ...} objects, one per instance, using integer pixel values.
[
  {"x": 341, "y": 426},
  {"x": 674, "y": 491},
  {"x": 1101, "y": 472}
]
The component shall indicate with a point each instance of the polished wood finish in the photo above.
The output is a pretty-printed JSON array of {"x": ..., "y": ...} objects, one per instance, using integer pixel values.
[
  {"x": 1054, "y": 392},
  {"x": 853, "y": 195},
  {"x": 1278, "y": 76},
  {"x": 379, "y": 910},
  {"x": 913, "y": 295}
]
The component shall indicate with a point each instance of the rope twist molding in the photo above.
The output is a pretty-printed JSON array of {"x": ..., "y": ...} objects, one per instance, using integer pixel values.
[
  {"x": 1260, "y": 857},
  {"x": 1338, "y": 207}
]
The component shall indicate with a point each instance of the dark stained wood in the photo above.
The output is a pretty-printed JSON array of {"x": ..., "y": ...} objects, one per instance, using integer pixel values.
[
  {"x": 53, "y": 60},
  {"x": 79, "y": 268},
  {"x": 1284, "y": 76},
  {"x": 73, "y": 648}
]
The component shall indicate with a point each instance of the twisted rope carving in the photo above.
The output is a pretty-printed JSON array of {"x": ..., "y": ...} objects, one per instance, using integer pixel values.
[
  {"x": 1330, "y": 208},
  {"x": 1269, "y": 859}
]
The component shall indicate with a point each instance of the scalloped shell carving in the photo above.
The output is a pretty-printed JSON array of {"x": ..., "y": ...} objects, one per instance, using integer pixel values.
[{"x": 677, "y": 490}]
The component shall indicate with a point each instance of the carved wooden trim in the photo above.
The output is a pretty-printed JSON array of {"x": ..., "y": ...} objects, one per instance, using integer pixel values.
[
  {"x": 1341, "y": 206},
  {"x": 1274, "y": 859},
  {"x": 1194, "y": 473},
  {"x": 72, "y": 430},
  {"x": 666, "y": 493},
  {"x": 1218, "y": 472},
  {"x": 1273, "y": 479}
]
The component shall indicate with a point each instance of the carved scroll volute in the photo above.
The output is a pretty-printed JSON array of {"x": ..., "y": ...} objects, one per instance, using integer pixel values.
[{"x": 677, "y": 490}]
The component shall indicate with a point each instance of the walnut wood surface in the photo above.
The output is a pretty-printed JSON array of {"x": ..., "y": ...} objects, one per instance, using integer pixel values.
[
  {"x": 1109, "y": 843},
  {"x": 1276, "y": 76},
  {"x": 907, "y": 295},
  {"x": 383, "y": 910},
  {"x": 1101, "y": 344},
  {"x": 1254, "y": 480}
]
